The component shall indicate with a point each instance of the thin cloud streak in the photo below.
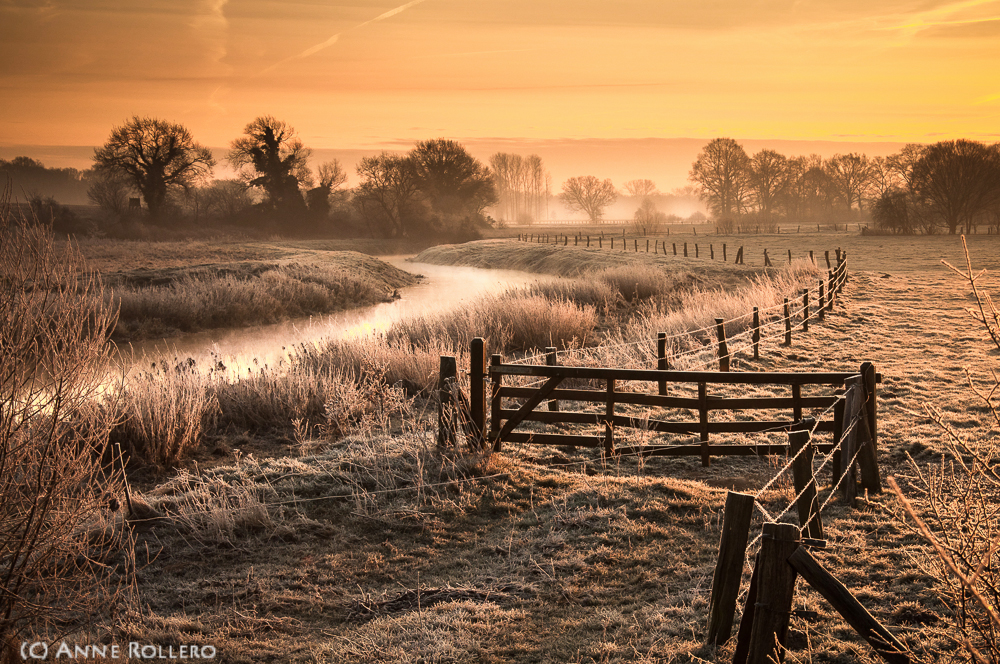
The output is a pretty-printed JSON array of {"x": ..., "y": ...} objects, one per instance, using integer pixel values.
[{"x": 312, "y": 50}]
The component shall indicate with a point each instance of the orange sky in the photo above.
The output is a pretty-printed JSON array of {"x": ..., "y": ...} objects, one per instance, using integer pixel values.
[{"x": 371, "y": 74}]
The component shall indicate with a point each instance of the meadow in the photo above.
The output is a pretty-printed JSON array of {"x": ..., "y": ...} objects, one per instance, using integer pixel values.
[{"x": 303, "y": 512}]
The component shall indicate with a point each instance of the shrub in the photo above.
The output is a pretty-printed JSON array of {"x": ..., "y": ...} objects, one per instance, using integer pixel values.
[{"x": 59, "y": 551}]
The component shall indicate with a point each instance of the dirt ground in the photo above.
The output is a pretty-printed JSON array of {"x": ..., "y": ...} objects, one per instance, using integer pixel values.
[{"x": 546, "y": 555}]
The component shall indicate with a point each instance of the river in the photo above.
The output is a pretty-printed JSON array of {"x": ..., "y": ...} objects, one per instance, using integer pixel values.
[{"x": 443, "y": 288}]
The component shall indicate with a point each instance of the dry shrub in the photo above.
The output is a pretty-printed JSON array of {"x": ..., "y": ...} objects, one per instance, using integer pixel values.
[
  {"x": 61, "y": 557},
  {"x": 215, "y": 510},
  {"x": 641, "y": 282},
  {"x": 955, "y": 506},
  {"x": 163, "y": 412},
  {"x": 399, "y": 362},
  {"x": 513, "y": 320}
]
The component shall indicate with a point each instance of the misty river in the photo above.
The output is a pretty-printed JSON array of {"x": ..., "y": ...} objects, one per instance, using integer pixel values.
[{"x": 443, "y": 288}]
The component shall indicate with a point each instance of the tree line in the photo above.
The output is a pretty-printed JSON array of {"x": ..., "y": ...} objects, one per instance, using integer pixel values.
[{"x": 950, "y": 185}]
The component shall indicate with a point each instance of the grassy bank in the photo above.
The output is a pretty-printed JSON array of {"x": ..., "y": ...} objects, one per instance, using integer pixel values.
[{"x": 158, "y": 303}]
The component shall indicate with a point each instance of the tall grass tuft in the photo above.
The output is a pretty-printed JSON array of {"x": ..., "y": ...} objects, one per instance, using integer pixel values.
[{"x": 62, "y": 559}]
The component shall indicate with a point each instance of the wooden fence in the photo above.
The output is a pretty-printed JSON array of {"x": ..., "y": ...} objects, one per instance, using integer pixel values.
[
  {"x": 684, "y": 248},
  {"x": 784, "y": 551}
]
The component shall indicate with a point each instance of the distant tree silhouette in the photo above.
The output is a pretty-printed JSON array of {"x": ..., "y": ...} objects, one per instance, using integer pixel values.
[
  {"x": 768, "y": 177},
  {"x": 331, "y": 177},
  {"x": 156, "y": 156},
  {"x": 851, "y": 175},
  {"x": 387, "y": 197},
  {"x": 522, "y": 187},
  {"x": 588, "y": 194},
  {"x": 722, "y": 173},
  {"x": 958, "y": 182},
  {"x": 271, "y": 156},
  {"x": 640, "y": 188},
  {"x": 452, "y": 181}
]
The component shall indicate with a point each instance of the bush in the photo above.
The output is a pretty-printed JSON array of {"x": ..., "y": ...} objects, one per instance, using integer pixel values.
[{"x": 60, "y": 558}]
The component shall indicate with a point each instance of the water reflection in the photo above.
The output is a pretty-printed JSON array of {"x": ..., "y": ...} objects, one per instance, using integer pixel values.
[{"x": 443, "y": 288}]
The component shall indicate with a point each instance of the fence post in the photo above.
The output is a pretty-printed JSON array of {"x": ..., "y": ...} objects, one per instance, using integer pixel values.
[
  {"x": 588, "y": 242},
  {"x": 827, "y": 253},
  {"x": 755, "y": 335},
  {"x": 706, "y": 459},
  {"x": 849, "y": 442},
  {"x": 739, "y": 256},
  {"x": 497, "y": 383},
  {"x": 685, "y": 250},
  {"x": 609, "y": 414},
  {"x": 477, "y": 387},
  {"x": 446, "y": 378},
  {"x": 788, "y": 324},
  {"x": 802, "y": 449},
  {"x": 775, "y": 589},
  {"x": 789, "y": 256},
  {"x": 805, "y": 309},
  {"x": 811, "y": 258},
  {"x": 720, "y": 333},
  {"x": 729, "y": 566},
  {"x": 831, "y": 290},
  {"x": 767, "y": 259},
  {"x": 822, "y": 301},
  {"x": 675, "y": 248},
  {"x": 868, "y": 457},
  {"x": 635, "y": 246},
  {"x": 661, "y": 358},
  {"x": 552, "y": 360},
  {"x": 647, "y": 245},
  {"x": 612, "y": 241},
  {"x": 711, "y": 251},
  {"x": 840, "y": 598},
  {"x": 723, "y": 252},
  {"x": 696, "y": 250}
]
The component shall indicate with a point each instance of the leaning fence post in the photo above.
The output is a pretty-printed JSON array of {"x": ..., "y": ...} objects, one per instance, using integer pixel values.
[
  {"x": 802, "y": 450},
  {"x": 840, "y": 598},
  {"x": 661, "y": 358},
  {"x": 720, "y": 333},
  {"x": 788, "y": 324},
  {"x": 552, "y": 360},
  {"x": 477, "y": 387},
  {"x": 775, "y": 591},
  {"x": 755, "y": 334},
  {"x": 495, "y": 401},
  {"x": 729, "y": 566},
  {"x": 446, "y": 378}
]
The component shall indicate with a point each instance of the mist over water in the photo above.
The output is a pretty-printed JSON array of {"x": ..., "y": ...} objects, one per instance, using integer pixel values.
[{"x": 443, "y": 288}]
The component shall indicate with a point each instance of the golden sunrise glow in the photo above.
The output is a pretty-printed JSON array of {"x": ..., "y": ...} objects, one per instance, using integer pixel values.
[{"x": 371, "y": 74}]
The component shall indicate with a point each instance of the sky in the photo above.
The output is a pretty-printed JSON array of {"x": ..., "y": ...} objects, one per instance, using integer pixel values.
[{"x": 370, "y": 75}]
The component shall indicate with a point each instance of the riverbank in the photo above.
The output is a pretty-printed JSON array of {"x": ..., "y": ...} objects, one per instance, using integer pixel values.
[{"x": 161, "y": 302}]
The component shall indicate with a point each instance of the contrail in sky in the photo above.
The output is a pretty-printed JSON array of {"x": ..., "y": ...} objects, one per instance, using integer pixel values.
[{"x": 333, "y": 40}]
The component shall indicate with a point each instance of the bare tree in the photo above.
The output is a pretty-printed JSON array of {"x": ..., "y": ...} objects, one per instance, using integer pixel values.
[
  {"x": 641, "y": 188},
  {"x": 271, "y": 156},
  {"x": 768, "y": 176},
  {"x": 521, "y": 185},
  {"x": 589, "y": 195},
  {"x": 109, "y": 190},
  {"x": 958, "y": 181},
  {"x": 851, "y": 176},
  {"x": 331, "y": 178},
  {"x": 388, "y": 195},
  {"x": 721, "y": 171},
  {"x": 157, "y": 156},
  {"x": 903, "y": 161},
  {"x": 452, "y": 181}
]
